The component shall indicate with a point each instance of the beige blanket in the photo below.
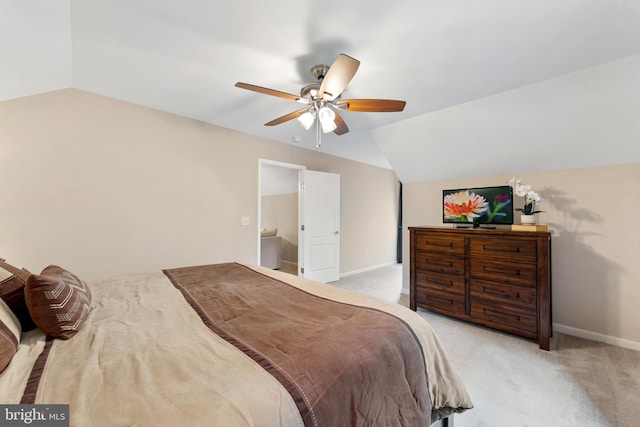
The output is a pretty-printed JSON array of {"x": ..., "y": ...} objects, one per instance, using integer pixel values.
[{"x": 144, "y": 357}]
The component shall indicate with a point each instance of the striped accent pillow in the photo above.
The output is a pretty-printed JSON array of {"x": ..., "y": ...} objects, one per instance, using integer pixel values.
[
  {"x": 9, "y": 335},
  {"x": 58, "y": 301},
  {"x": 12, "y": 293},
  {"x": 12, "y": 282}
]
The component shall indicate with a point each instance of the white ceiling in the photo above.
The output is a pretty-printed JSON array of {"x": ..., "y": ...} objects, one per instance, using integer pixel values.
[{"x": 185, "y": 57}]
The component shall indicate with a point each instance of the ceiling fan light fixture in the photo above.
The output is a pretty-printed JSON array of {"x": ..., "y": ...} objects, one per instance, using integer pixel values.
[
  {"x": 326, "y": 92},
  {"x": 328, "y": 127},
  {"x": 307, "y": 119},
  {"x": 327, "y": 119}
]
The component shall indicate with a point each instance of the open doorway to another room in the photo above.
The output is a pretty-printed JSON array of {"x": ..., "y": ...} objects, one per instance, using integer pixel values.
[{"x": 279, "y": 215}]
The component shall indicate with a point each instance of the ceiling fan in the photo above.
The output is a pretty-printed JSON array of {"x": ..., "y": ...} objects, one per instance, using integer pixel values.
[{"x": 322, "y": 98}]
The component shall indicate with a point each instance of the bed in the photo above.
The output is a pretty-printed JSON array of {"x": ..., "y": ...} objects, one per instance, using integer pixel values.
[{"x": 223, "y": 344}]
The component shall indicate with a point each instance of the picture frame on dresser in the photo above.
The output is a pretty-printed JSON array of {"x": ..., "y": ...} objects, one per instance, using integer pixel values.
[{"x": 500, "y": 279}]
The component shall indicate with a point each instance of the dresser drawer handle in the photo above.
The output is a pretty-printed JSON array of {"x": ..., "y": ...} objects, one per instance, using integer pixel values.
[
  {"x": 439, "y": 244},
  {"x": 500, "y": 293},
  {"x": 440, "y": 300},
  {"x": 442, "y": 264},
  {"x": 497, "y": 270},
  {"x": 489, "y": 248},
  {"x": 440, "y": 282},
  {"x": 500, "y": 315}
]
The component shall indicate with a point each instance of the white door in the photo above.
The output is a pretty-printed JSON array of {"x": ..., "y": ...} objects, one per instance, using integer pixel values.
[{"x": 320, "y": 225}]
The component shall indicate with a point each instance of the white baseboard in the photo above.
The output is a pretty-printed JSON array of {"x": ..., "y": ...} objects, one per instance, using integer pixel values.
[
  {"x": 364, "y": 270},
  {"x": 594, "y": 336}
]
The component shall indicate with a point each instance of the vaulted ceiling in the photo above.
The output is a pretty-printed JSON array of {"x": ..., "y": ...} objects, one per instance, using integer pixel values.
[{"x": 438, "y": 55}]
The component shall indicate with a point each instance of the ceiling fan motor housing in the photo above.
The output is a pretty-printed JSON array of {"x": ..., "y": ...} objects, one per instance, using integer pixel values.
[{"x": 311, "y": 90}]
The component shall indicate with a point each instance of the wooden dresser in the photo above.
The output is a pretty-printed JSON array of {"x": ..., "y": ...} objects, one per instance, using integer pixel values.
[{"x": 497, "y": 278}]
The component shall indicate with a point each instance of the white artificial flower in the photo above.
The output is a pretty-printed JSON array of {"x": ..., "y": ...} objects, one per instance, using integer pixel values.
[
  {"x": 522, "y": 190},
  {"x": 532, "y": 196}
]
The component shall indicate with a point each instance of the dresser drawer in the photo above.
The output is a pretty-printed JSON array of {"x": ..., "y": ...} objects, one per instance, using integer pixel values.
[
  {"x": 507, "y": 318},
  {"x": 440, "y": 263},
  {"x": 439, "y": 243},
  {"x": 440, "y": 281},
  {"x": 512, "y": 249},
  {"x": 501, "y": 293},
  {"x": 440, "y": 302},
  {"x": 495, "y": 270}
]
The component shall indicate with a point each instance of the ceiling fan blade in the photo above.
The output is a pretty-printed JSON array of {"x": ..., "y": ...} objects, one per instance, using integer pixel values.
[
  {"x": 286, "y": 117},
  {"x": 338, "y": 77},
  {"x": 371, "y": 105},
  {"x": 341, "y": 126},
  {"x": 271, "y": 92}
]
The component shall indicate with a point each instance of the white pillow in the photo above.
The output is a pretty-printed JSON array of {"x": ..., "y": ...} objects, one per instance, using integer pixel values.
[{"x": 268, "y": 232}]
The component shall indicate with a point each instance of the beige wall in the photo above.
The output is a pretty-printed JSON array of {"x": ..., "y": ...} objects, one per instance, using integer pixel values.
[
  {"x": 105, "y": 187},
  {"x": 595, "y": 245},
  {"x": 281, "y": 212}
]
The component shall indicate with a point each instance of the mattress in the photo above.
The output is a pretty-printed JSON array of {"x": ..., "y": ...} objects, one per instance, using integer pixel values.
[{"x": 238, "y": 345}]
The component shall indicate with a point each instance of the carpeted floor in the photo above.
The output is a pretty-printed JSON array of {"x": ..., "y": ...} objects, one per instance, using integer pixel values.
[{"x": 513, "y": 383}]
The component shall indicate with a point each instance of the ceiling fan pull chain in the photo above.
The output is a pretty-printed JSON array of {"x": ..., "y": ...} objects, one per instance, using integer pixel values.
[{"x": 318, "y": 132}]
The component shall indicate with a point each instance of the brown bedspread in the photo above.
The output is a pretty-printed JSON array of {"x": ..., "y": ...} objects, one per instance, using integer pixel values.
[{"x": 342, "y": 364}]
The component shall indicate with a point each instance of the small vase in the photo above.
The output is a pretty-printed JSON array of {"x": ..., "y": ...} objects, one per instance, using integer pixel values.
[{"x": 527, "y": 219}]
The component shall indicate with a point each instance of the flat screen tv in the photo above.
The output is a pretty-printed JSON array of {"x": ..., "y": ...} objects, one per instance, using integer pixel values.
[{"x": 478, "y": 206}]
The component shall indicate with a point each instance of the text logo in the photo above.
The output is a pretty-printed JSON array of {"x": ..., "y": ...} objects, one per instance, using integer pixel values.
[{"x": 34, "y": 415}]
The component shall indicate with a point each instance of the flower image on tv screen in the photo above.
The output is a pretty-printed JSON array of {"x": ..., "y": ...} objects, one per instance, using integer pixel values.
[{"x": 482, "y": 205}]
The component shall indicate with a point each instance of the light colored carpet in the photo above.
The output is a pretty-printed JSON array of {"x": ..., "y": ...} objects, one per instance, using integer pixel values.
[{"x": 513, "y": 383}]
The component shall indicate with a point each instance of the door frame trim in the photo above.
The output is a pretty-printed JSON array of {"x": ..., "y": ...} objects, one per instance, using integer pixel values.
[{"x": 276, "y": 163}]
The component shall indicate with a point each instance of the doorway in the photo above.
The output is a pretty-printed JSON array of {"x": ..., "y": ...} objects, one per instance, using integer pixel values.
[
  {"x": 279, "y": 203},
  {"x": 299, "y": 220}
]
